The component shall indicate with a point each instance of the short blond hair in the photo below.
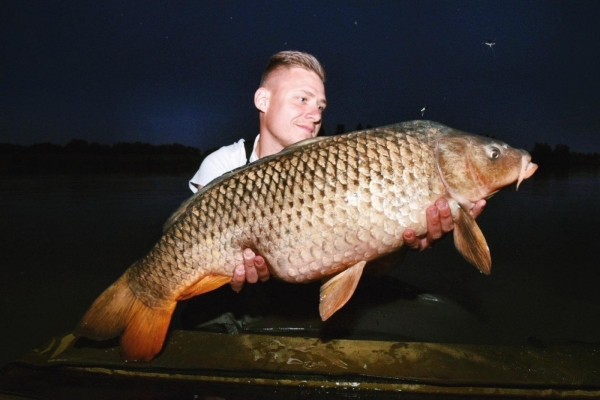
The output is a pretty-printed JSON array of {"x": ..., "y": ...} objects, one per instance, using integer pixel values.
[{"x": 290, "y": 59}]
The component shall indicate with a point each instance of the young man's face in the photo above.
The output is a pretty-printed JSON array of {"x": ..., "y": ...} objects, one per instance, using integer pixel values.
[{"x": 295, "y": 101}]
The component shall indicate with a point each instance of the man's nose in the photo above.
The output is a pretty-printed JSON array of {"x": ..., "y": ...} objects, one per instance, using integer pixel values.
[{"x": 314, "y": 113}]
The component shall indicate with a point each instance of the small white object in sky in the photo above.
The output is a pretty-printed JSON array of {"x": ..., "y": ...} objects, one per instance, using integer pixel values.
[
  {"x": 491, "y": 43},
  {"x": 423, "y": 110}
]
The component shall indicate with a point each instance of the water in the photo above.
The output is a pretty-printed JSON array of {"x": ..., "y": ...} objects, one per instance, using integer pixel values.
[{"x": 63, "y": 239}]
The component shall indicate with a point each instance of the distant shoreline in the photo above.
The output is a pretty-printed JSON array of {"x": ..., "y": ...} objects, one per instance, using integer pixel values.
[
  {"x": 81, "y": 157},
  {"x": 96, "y": 164}
]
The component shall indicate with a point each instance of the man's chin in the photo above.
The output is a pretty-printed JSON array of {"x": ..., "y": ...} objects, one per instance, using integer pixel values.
[{"x": 303, "y": 134}]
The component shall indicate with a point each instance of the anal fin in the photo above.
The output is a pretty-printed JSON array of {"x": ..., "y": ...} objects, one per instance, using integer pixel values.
[
  {"x": 471, "y": 243},
  {"x": 337, "y": 291}
]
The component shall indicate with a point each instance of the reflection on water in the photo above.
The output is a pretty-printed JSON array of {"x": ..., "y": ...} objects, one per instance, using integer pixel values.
[{"x": 64, "y": 239}]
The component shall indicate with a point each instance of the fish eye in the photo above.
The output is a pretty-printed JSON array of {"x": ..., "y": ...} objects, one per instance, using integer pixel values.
[{"x": 494, "y": 153}]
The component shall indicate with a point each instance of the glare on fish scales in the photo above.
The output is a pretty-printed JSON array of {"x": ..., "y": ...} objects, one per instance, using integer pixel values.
[{"x": 320, "y": 208}]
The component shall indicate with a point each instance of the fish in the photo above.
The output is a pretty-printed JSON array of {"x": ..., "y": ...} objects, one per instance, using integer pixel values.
[{"x": 317, "y": 210}]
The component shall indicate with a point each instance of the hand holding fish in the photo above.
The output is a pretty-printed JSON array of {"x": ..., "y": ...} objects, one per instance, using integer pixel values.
[
  {"x": 252, "y": 270},
  {"x": 439, "y": 223}
]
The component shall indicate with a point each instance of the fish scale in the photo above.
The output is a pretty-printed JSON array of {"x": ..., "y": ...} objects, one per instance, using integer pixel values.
[{"x": 320, "y": 208}]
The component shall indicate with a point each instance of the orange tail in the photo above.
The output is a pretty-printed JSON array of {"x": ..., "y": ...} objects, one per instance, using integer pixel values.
[{"x": 119, "y": 312}]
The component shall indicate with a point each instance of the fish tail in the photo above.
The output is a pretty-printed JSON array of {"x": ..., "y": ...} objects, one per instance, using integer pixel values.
[{"x": 119, "y": 312}]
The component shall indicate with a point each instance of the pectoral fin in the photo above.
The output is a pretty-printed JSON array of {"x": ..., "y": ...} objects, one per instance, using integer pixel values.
[
  {"x": 470, "y": 242},
  {"x": 337, "y": 291}
]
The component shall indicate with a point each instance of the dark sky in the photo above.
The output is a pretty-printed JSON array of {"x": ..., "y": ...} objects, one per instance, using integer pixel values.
[{"x": 186, "y": 71}]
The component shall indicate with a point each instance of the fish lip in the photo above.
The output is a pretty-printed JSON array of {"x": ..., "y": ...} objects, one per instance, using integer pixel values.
[{"x": 527, "y": 168}]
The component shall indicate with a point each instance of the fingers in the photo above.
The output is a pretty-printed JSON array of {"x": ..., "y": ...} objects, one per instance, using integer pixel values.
[
  {"x": 411, "y": 240},
  {"x": 239, "y": 276},
  {"x": 439, "y": 222},
  {"x": 446, "y": 221},
  {"x": 261, "y": 268},
  {"x": 478, "y": 208},
  {"x": 253, "y": 269},
  {"x": 251, "y": 274},
  {"x": 434, "y": 227}
]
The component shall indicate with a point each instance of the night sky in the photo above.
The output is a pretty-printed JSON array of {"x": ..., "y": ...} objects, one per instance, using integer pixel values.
[{"x": 186, "y": 71}]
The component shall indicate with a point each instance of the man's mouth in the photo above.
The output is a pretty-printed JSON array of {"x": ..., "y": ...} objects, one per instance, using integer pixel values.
[{"x": 308, "y": 129}]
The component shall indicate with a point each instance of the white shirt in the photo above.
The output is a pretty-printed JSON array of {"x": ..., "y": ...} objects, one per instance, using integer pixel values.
[{"x": 225, "y": 159}]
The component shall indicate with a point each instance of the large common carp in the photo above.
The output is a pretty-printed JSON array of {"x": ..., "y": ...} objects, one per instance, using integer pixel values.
[{"x": 320, "y": 208}]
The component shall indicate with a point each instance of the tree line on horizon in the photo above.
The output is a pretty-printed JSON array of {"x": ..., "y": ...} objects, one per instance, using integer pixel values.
[
  {"x": 139, "y": 157},
  {"x": 81, "y": 156}
]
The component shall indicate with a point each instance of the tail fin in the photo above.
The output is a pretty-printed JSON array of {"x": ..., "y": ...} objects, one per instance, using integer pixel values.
[{"x": 119, "y": 312}]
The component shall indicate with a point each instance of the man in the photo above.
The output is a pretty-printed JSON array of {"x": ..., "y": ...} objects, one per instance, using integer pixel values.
[{"x": 291, "y": 100}]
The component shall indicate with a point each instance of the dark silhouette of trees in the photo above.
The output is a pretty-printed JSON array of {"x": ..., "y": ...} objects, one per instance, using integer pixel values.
[
  {"x": 561, "y": 157},
  {"x": 80, "y": 156}
]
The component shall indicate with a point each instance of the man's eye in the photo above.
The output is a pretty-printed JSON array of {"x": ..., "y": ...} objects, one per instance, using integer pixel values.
[
  {"x": 321, "y": 108},
  {"x": 302, "y": 99}
]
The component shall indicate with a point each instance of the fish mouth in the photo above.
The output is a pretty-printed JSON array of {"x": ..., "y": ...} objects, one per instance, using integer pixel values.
[{"x": 527, "y": 168}]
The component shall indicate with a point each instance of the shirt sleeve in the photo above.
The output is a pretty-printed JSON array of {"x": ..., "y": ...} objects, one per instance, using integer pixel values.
[{"x": 225, "y": 159}]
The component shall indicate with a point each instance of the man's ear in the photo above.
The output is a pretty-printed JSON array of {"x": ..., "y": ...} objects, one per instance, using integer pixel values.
[{"x": 261, "y": 99}]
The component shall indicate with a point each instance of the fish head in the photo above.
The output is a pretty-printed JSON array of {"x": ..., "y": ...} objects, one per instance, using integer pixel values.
[{"x": 474, "y": 167}]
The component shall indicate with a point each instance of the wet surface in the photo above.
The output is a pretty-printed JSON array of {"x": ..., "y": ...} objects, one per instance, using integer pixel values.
[{"x": 199, "y": 363}]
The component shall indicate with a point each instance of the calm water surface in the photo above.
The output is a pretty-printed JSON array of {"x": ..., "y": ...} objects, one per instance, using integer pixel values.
[{"x": 63, "y": 239}]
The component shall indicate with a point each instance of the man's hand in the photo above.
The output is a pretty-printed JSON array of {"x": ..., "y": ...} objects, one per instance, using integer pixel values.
[
  {"x": 253, "y": 269},
  {"x": 439, "y": 222}
]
